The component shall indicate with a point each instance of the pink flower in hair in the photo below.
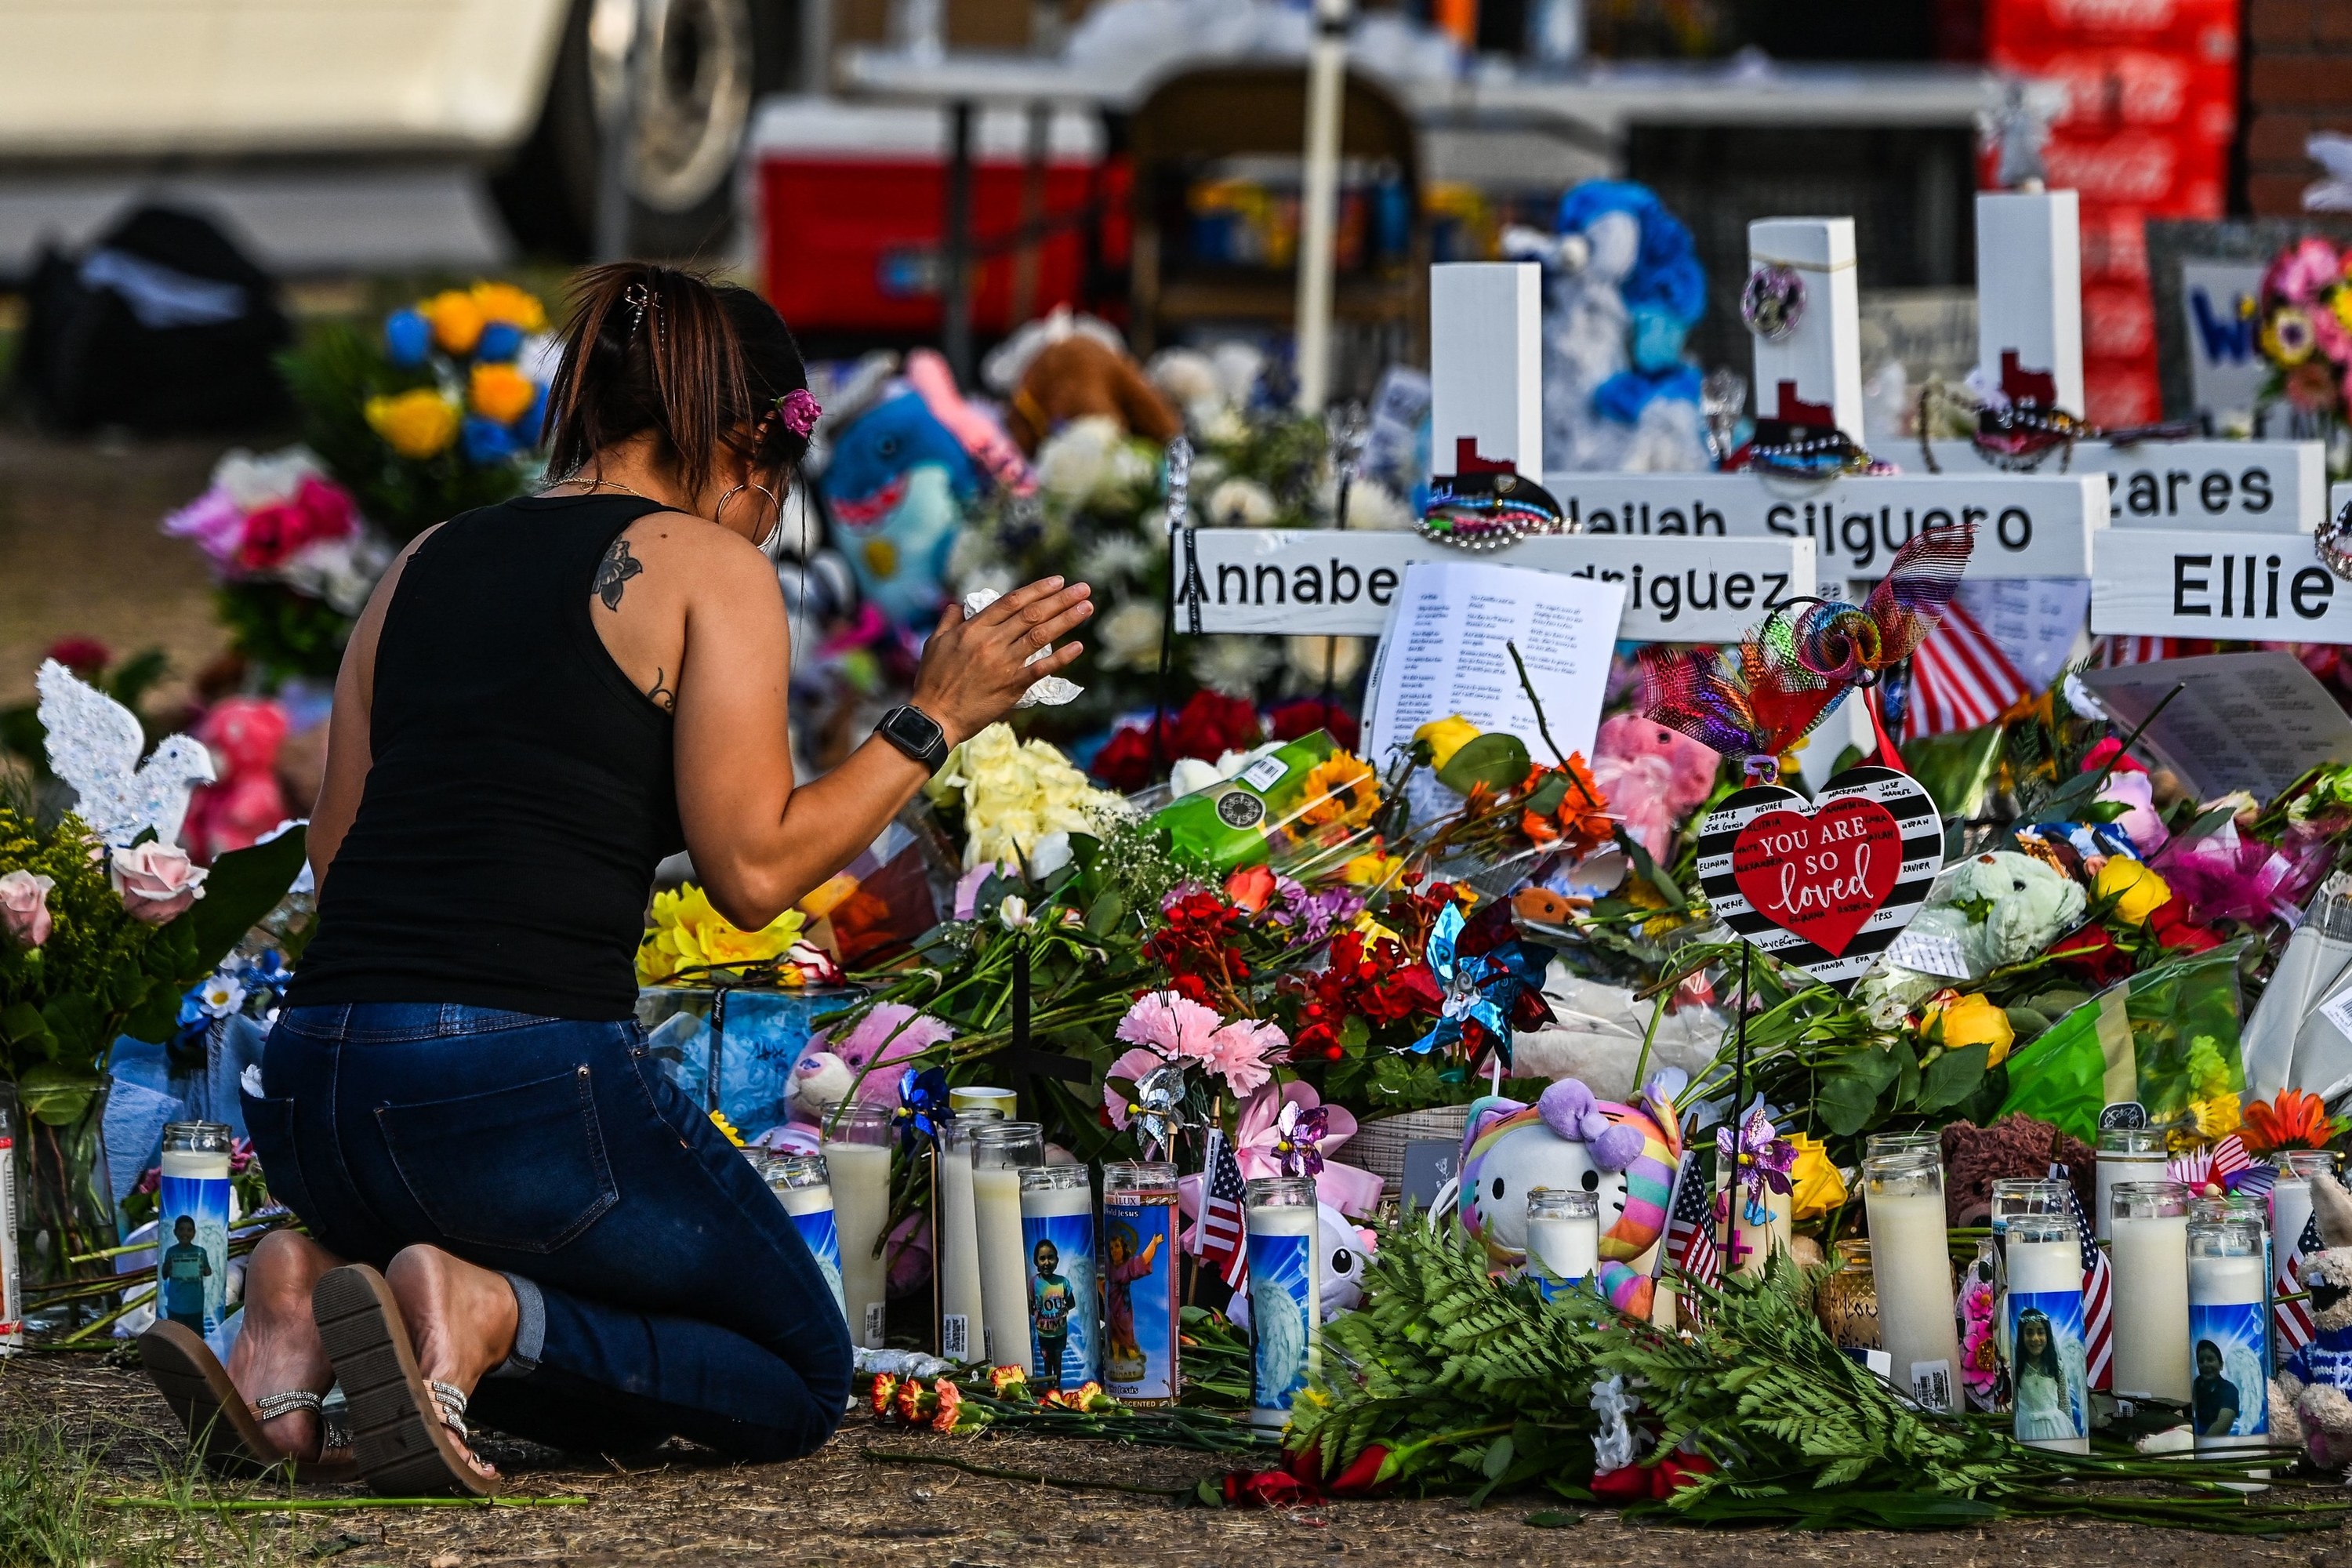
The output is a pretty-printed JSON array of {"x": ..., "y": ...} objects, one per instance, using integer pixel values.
[{"x": 798, "y": 410}]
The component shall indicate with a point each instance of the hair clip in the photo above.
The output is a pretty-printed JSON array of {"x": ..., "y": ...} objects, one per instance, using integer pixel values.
[
  {"x": 799, "y": 411},
  {"x": 639, "y": 297}
]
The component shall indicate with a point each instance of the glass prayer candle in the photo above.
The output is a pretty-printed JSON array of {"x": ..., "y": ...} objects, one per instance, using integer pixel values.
[
  {"x": 1000, "y": 1150},
  {"x": 2125, "y": 1154},
  {"x": 1286, "y": 1294},
  {"x": 2147, "y": 1229},
  {"x": 978, "y": 1096},
  {"x": 1911, "y": 1265},
  {"x": 857, "y": 1143},
  {"x": 1057, "y": 1238},
  {"x": 803, "y": 1186},
  {"x": 2228, "y": 1334},
  {"x": 192, "y": 1213},
  {"x": 963, "y": 1316},
  {"x": 1920, "y": 1142},
  {"x": 1141, "y": 1296},
  {"x": 2049, "y": 1377},
  {"x": 1563, "y": 1238}
]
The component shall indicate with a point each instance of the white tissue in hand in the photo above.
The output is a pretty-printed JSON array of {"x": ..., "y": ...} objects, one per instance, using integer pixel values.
[{"x": 1051, "y": 690}]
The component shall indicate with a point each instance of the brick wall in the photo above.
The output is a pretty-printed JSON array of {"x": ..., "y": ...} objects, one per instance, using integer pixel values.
[{"x": 2298, "y": 81}]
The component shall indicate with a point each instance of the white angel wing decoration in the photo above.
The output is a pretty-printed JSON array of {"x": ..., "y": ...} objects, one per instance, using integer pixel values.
[
  {"x": 94, "y": 744},
  {"x": 1050, "y": 690}
]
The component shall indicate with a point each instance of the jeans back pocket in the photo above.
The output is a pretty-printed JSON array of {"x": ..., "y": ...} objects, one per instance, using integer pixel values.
[{"x": 521, "y": 1168}]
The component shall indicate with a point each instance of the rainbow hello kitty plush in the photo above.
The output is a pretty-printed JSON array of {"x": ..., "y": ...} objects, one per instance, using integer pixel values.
[{"x": 1567, "y": 1140}]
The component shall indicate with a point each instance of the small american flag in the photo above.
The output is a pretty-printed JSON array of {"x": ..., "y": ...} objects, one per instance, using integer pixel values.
[
  {"x": 2118, "y": 650},
  {"x": 1218, "y": 1239},
  {"x": 2294, "y": 1317},
  {"x": 1960, "y": 678},
  {"x": 2099, "y": 1291},
  {"x": 1690, "y": 1230}
]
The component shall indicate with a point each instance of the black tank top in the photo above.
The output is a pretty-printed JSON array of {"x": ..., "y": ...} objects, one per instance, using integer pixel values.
[{"x": 520, "y": 792}]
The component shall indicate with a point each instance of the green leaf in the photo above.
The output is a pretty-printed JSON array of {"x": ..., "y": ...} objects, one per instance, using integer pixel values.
[
  {"x": 1952, "y": 1076},
  {"x": 157, "y": 1018},
  {"x": 1496, "y": 760},
  {"x": 56, "y": 1095},
  {"x": 1846, "y": 1101},
  {"x": 1498, "y": 1458},
  {"x": 75, "y": 1025},
  {"x": 1553, "y": 1518},
  {"x": 22, "y": 1026},
  {"x": 244, "y": 886},
  {"x": 1108, "y": 911}
]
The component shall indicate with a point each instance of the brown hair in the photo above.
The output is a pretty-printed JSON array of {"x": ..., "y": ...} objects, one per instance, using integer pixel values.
[{"x": 656, "y": 349}]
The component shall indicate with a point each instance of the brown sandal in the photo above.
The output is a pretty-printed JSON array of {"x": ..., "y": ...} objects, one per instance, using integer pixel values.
[
  {"x": 223, "y": 1429},
  {"x": 408, "y": 1435}
]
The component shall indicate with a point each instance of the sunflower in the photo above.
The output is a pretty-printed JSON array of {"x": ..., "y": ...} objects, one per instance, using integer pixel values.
[
  {"x": 2289, "y": 338},
  {"x": 1344, "y": 789}
]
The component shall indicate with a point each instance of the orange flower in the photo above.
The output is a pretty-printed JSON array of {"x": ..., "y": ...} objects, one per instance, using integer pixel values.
[
  {"x": 2295, "y": 1120},
  {"x": 1010, "y": 1383},
  {"x": 1251, "y": 887},
  {"x": 1342, "y": 788},
  {"x": 886, "y": 1393},
  {"x": 950, "y": 1400},
  {"x": 914, "y": 1402}
]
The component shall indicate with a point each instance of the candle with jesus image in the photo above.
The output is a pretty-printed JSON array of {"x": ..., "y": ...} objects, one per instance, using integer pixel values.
[{"x": 1140, "y": 1299}]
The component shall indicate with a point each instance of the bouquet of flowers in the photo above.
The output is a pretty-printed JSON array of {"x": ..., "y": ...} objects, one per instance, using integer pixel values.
[
  {"x": 438, "y": 412},
  {"x": 2305, "y": 333},
  {"x": 294, "y": 562}
]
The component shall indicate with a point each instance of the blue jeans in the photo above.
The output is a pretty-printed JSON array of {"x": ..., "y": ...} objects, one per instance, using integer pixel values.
[{"x": 664, "y": 1291}]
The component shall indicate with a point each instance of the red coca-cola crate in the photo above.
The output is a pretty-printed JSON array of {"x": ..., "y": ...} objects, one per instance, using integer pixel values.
[
  {"x": 2121, "y": 392},
  {"x": 2171, "y": 174},
  {"x": 2108, "y": 89},
  {"x": 2117, "y": 321},
  {"x": 2115, "y": 243},
  {"x": 851, "y": 204},
  {"x": 2197, "y": 29}
]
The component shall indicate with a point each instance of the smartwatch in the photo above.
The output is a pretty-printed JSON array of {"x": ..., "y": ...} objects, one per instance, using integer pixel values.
[{"x": 917, "y": 733}]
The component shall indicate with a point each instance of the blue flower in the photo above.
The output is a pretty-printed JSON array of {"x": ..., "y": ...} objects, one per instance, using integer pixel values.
[
  {"x": 499, "y": 341},
  {"x": 407, "y": 338},
  {"x": 487, "y": 441},
  {"x": 922, "y": 1102}
]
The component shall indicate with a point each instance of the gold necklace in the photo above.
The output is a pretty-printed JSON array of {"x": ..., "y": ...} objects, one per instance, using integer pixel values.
[{"x": 613, "y": 485}]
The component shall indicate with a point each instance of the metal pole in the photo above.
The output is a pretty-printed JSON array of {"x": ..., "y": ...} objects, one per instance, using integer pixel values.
[
  {"x": 1326, "y": 73},
  {"x": 618, "y": 148},
  {"x": 955, "y": 286}
]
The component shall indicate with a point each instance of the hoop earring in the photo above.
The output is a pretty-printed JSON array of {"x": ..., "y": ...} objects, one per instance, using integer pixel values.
[{"x": 762, "y": 543}]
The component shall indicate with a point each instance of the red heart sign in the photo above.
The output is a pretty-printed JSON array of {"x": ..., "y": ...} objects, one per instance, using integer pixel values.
[{"x": 1821, "y": 874}]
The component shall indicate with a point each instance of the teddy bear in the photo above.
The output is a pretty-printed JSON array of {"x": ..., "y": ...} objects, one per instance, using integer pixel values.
[
  {"x": 1569, "y": 1140},
  {"x": 876, "y": 1047},
  {"x": 1068, "y": 367},
  {"x": 1651, "y": 776},
  {"x": 2310, "y": 1396},
  {"x": 245, "y": 735}
]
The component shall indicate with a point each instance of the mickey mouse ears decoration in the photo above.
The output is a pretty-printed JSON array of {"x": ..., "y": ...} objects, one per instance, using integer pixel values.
[{"x": 1485, "y": 510}]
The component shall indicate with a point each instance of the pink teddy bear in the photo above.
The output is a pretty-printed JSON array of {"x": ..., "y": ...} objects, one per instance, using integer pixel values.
[
  {"x": 830, "y": 1071},
  {"x": 244, "y": 734},
  {"x": 1652, "y": 777}
]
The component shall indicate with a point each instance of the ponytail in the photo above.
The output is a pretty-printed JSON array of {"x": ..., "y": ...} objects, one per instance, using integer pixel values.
[{"x": 655, "y": 348}]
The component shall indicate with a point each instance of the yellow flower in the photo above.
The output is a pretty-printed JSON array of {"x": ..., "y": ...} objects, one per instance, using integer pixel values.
[
  {"x": 719, "y": 1120},
  {"x": 419, "y": 423},
  {"x": 1372, "y": 869},
  {"x": 1446, "y": 736},
  {"x": 1014, "y": 795},
  {"x": 1343, "y": 789},
  {"x": 456, "y": 320},
  {"x": 501, "y": 393},
  {"x": 517, "y": 308},
  {"x": 2216, "y": 1117},
  {"x": 1817, "y": 1185},
  {"x": 1974, "y": 1021},
  {"x": 689, "y": 933},
  {"x": 1371, "y": 929},
  {"x": 2138, "y": 892}
]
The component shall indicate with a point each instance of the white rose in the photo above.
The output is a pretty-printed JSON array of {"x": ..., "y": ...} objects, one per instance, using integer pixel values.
[{"x": 155, "y": 881}]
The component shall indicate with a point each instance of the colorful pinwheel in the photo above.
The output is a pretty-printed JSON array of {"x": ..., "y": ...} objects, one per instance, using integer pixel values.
[
  {"x": 1298, "y": 1139},
  {"x": 1158, "y": 1108},
  {"x": 1482, "y": 990},
  {"x": 1761, "y": 1160},
  {"x": 922, "y": 1103}
]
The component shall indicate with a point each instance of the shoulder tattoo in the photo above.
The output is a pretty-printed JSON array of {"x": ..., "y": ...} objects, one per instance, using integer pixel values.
[
  {"x": 614, "y": 572},
  {"x": 661, "y": 695}
]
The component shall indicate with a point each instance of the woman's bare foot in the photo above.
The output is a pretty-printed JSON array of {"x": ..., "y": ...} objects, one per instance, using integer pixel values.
[
  {"x": 461, "y": 1320},
  {"x": 279, "y": 1350}
]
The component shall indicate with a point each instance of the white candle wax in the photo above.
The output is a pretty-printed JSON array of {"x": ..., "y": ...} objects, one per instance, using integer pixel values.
[
  {"x": 958, "y": 1255},
  {"x": 195, "y": 1165},
  {"x": 2231, "y": 1281},
  {"x": 2150, "y": 1259},
  {"x": 1568, "y": 1246},
  {"x": 1910, "y": 1261},
  {"x": 861, "y": 1206},
  {"x": 1276, "y": 1316},
  {"x": 2111, "y": 1167},
  {"x": 2290, "y": 1212},
  {"x": 1004, "y": 1271},
  {"x": 2050, "y": 1268},
  {"x": 799, "y": 1201}
]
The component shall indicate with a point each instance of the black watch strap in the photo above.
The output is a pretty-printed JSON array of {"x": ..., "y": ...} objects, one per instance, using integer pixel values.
[{"x": 917, "y": 733}]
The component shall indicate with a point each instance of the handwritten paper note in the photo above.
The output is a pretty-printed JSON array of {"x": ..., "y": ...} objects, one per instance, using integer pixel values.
[
  {"x": 1443, "y": 653},
  {"x": 2243, "y": 720}
]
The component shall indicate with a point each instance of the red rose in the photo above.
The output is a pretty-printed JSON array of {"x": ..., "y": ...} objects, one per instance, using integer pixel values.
[
  {"x": 1212, "y": 724},
  {"x": 2093, "y": 954},
  {"x": 1305, "y": 715},
  {"x": 86, "y": 657},
  {"x": 2173, "y": 929},
  {"x": 2097, "y": 758},
  {"x": 326, "y": 510},
  {"x": 1251, "y": 887},
  {"x": 1125, "y": 761},
  {"x": 271, "y": 534}
]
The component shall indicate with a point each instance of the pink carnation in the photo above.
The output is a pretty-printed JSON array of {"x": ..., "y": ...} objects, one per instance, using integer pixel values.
[
  {"x": 1173, "y": 1025},
  {"x": 214, "y": 521},
  {"x": 2303, "y": 270},
  {"x": 1131, "y": 1066},
  {"x": 1239, "y": 1052}
]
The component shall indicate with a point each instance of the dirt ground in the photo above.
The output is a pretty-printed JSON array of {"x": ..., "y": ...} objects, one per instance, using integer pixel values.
[
  {"x": 840, "y": 1506},
  {"x": 82, "y": 553}
]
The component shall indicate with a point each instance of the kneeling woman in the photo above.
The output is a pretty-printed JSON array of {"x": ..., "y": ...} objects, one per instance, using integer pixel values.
[{"x": 543, "y": 699}]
